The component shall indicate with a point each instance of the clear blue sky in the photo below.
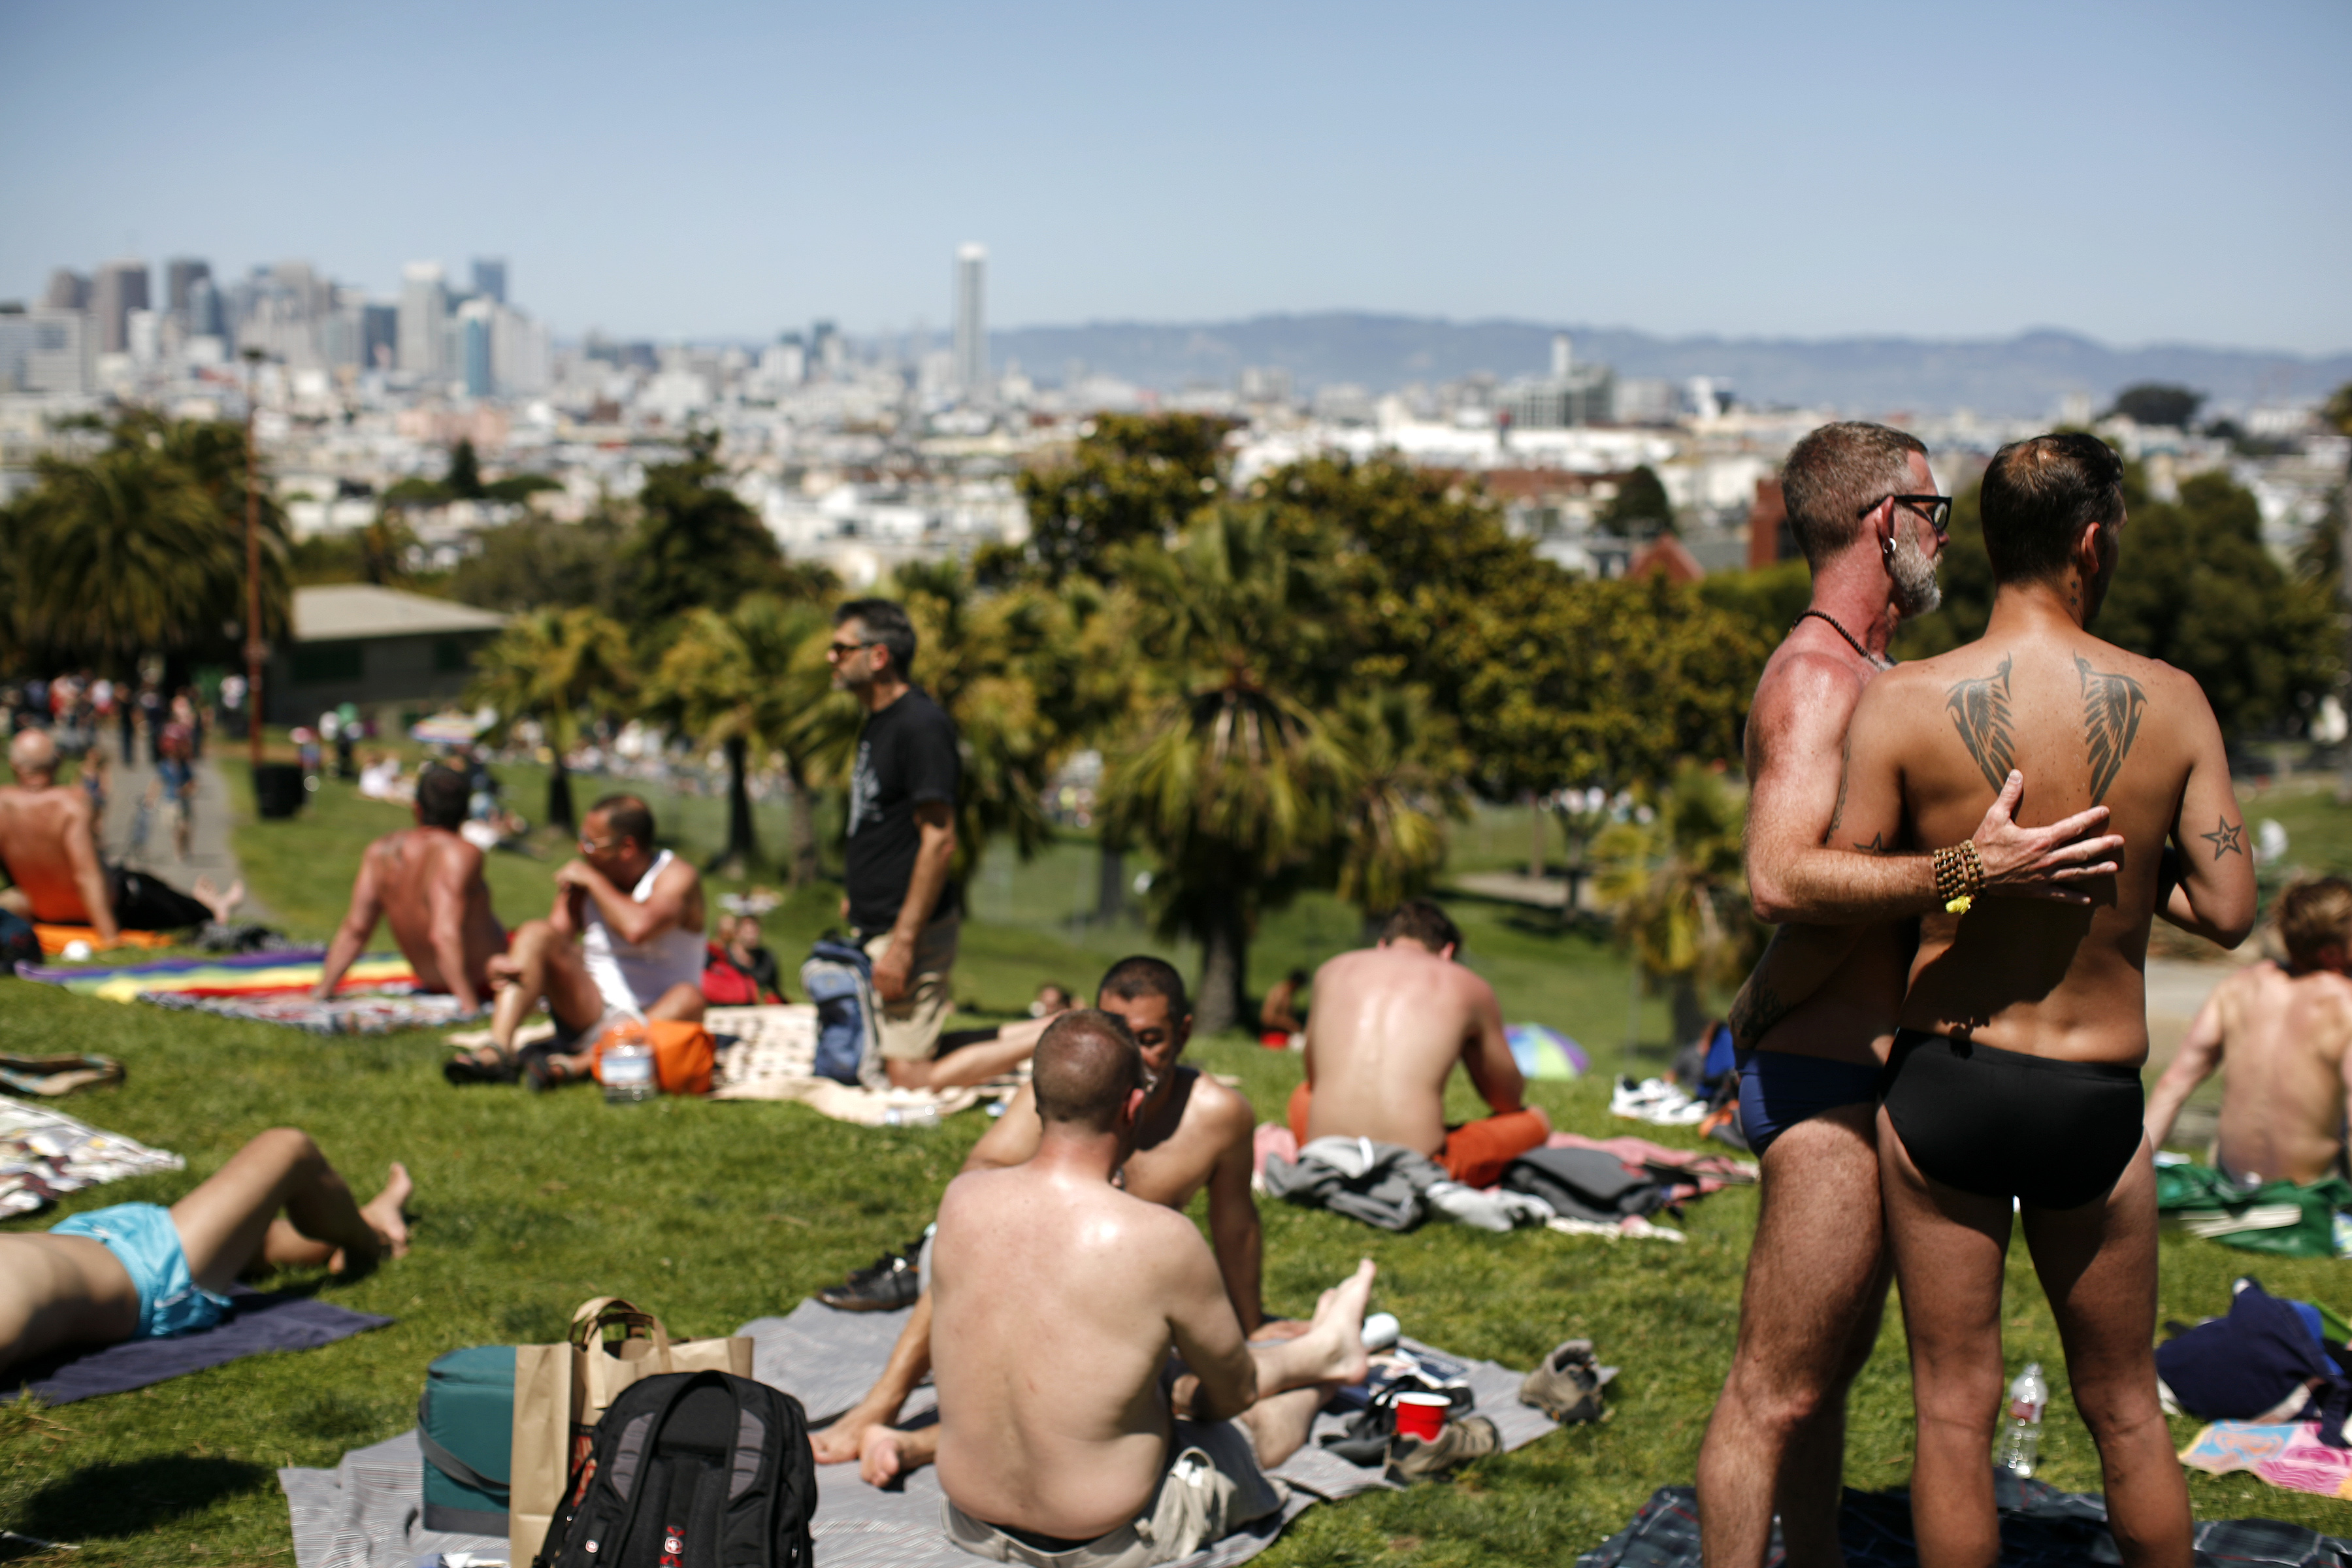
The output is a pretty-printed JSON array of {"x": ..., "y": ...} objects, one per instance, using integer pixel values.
[{"x": 2142, "y": 173}]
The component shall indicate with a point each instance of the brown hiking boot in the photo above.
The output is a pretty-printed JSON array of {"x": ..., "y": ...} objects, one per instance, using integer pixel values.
[
  {"x": 1566, "y": 1385},
  {"x": 1414, "y": 1459}
]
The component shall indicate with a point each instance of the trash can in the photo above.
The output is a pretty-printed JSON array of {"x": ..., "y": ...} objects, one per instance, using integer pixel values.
[{"x": 278, "y": 789}]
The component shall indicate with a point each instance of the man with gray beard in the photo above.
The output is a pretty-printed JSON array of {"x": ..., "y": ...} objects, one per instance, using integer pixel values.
[{"x": 1815, "y": 1020}]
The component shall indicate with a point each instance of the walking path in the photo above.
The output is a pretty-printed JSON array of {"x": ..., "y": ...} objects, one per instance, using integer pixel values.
[{"x": 210, "y": 826}]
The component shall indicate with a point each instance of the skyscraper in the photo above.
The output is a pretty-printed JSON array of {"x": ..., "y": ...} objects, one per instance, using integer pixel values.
[
  {"x": 490, "y": 278},
  {"x": 474, "y": 318},
  {"x": 68, "y": 290},
  {"x": 423, "y": 305},
  {"x": 120, "y": 289},
  {"x": 181, "y": 273},
  {"x": 971, "y": 319}
]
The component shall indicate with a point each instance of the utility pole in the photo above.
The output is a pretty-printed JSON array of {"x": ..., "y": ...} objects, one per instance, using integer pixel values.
[{"x": 254, "y": 648}]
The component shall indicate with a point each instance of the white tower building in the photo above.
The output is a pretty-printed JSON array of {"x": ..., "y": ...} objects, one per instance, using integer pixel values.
[
  {"x": 424, "y": 307},
  {"x": 971, "y": 319}
]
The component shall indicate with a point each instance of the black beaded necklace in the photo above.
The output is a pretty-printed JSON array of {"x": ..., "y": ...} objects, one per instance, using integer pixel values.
[{"x": 1882, "y": 663}]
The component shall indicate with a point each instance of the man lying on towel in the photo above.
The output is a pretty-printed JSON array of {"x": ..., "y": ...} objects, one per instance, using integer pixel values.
[
  {"x": 1059, "y": 1299},
  {"x": 1191, "y": 1132},
  {"x": 624, "y": 940},
  {"x": 1390, "y": 1023},
  {"x": 140, "y": 1271},
  {"x": 49, "y": 848},
  {"x": 427, "y": 881}
]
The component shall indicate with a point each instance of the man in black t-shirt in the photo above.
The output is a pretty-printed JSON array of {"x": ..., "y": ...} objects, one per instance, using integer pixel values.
[{"x": 901, "y": 895}]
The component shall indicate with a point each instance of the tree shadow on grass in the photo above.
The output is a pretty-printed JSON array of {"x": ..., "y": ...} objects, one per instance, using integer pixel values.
[{"x": 112, "y": 1501}]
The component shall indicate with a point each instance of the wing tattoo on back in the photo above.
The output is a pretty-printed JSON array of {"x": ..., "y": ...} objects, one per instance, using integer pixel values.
[
  {"x": 2111, "y": 708},
  {"x": 1980, "y": 708}
]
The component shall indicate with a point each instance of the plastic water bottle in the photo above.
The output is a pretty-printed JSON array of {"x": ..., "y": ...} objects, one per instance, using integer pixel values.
[
  {"x": 2021, "y": 1433},
  {"x": 628, "y": 1067}
]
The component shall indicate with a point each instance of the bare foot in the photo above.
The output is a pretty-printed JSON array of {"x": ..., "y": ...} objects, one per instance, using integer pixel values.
[
  {"x": 839, "y": 1443},
  {"x": 221, "y": 905},
  {"x": 383, "y": 1214},
  {"x": 877, "y": 1459},
  {"x": 1338, "y": 1331}
]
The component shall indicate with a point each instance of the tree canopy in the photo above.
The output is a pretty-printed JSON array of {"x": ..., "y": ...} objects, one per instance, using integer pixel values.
[{"x": 2158, "y": 402}]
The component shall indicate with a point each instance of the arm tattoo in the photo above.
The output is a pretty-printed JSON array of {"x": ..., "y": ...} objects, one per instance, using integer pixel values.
[
  {"x": 2111, "y": 706},
  {"x": 1877, "y": 844},
  {"x": 2227, "y": 838},
  {"x": 1981, "y": 710},
  {"x": 1845, "y": 775}
]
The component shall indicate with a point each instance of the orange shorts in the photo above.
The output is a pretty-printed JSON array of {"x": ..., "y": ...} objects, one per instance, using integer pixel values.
[{"x": 1476, "y": 1153}]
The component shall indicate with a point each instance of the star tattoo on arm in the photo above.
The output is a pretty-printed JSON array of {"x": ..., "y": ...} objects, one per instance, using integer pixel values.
[{"x": 2227, "y": 838}]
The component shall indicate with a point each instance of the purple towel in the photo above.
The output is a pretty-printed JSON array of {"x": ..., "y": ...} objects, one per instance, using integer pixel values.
[{"x": 255, "y": 1323}]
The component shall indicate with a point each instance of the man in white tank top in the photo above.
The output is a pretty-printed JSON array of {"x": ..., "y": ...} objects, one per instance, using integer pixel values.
[{"x": 624, "y": 939}]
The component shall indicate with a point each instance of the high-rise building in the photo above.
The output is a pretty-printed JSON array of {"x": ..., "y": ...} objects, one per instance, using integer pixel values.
[
  {"x": 379, "y": 336},
  {"x": 44, "y": 351},
  {"x": 490, "y": 278},
  {"x": 971, "y": 319},
  {"x": 474, "y": 319},
  {"x": 68, "y": 290},
  {"x": 120, "y": 289},
  {"x": 204, "y": 310},
  {"x": 423, "y": 306},
  {"x": 518, "y": 353},
  {"x": 181, "y": 274}
]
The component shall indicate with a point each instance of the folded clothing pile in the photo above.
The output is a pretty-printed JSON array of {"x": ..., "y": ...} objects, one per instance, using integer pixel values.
[
  {"x": 2293, "y": 1219},
  {"x": 44, "y": 1155},
  {"x": 2269, "y": 1361}
]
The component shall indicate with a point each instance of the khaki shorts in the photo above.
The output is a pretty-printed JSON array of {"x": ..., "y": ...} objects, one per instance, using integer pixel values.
[
  {"x": 911, "y": 1025},
  {"x": 1212, "y": 1488}
]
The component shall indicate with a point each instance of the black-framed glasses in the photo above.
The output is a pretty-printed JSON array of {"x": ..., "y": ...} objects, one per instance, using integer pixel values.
[
  {"x": 1936, "y": 510},
  {"x": 844, "y": 650}
]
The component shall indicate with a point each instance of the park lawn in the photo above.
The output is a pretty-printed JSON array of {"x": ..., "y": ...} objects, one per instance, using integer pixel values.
[{"x": 714, "y": 1213}]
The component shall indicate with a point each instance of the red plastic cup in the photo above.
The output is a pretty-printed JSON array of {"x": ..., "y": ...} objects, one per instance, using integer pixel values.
[{"x": 1422, "y": 1415}]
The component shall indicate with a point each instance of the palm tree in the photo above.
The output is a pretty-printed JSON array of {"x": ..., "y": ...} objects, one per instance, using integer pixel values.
[
  {"x": 131, "y": 550},
  {"x": 753, "y": 681},
  {"x": 550, "y": 663},
  {"x": 1405, "y": 781},
  {"x": 1672, "y": 873},
  {"x": 1231, "y": 779}
]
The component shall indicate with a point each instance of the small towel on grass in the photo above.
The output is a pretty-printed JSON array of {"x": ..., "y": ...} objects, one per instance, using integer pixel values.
[
  {"x": 2289, "y": 1454},
  {"x": 257, "y": 1324},
  {"x": 44, "y": 1155},
  {"x": 292, "y": 970},
  {"x": 376, "y": 1012},
  {"x": 770, "y": 1053}
]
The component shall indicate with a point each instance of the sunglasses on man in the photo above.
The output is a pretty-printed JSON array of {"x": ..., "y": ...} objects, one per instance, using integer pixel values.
[{"x": 1935, "y": 510}]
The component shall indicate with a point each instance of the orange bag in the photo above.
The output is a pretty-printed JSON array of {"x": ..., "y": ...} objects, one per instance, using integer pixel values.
[{"x": 683, "y": 1054}]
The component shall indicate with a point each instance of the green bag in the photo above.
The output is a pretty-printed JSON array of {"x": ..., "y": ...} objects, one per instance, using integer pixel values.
[
  {"x": 2202, "y": 1190},
  {"x": 465, "y": 1425}
]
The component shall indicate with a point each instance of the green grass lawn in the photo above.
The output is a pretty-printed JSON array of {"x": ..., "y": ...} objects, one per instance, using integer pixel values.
[{"x": 713, "y": 1214}]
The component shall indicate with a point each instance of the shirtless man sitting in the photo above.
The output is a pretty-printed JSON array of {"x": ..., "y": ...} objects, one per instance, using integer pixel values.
[
  {"x": 1061, "y": 1447},
  {"x": 427, "y": 881},
  {"x": 624, "y": 939},
  {"x": 2286, "y": 1033},
  {"x": 1191, "y": 1132},
  {"x": 2013, "y": 1082},
  {"x": 49, "y": 848},
  {"x": 1390, "y": 1023},
  {"x": 140, "y": 1271}
]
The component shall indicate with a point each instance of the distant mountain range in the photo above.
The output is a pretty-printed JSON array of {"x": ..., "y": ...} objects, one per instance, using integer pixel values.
[{"x": 2025, "y": 376}]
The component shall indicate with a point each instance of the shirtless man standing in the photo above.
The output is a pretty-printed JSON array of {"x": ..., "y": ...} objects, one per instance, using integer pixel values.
[
  {"x": 1813, "y": 1021},
  {"x": 1063, "y": 1442},
  {"x": 625, "y": 938},
  {"x": 1389, "y": 1025},
  {"x": 49, "y": 848},
  {"x": 1191, "y": 1132},
  {"x": 2286, "y": 1034},
  {"x": 2014, "y": 1079},
  {"x": 427, "y": 881},
  {"x": 140, "y": 1271}
]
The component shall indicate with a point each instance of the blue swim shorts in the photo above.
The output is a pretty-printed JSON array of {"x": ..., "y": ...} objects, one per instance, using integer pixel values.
[
  {"x": 1780, "y": 1089},
  {"x": 142, "y": 1237}
]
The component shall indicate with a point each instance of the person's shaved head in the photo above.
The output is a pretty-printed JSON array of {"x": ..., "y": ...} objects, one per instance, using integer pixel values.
[
  {"x": 1087, "y": 1065},
  {"x": 31, "y": 752}
]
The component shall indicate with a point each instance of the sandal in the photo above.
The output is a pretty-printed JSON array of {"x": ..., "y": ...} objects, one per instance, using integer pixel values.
[
  {"x": 540, "y": 1070},
  {"x": 471, "y": 1068}
]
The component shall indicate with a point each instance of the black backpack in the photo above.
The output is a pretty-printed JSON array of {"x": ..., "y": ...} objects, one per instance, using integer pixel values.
[{"x": 691, "y": 1469}]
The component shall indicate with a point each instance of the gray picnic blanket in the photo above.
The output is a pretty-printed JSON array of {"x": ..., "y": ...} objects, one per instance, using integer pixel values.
[{"x": 366, "y": 1512}]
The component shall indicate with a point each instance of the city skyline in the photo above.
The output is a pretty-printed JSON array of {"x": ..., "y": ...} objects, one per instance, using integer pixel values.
[{"x": 2138, "y": 175}]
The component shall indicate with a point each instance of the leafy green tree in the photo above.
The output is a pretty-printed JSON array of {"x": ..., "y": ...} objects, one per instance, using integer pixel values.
[
  {"x": 140, "y": 548},
  {"x": 1639, "y": 505},
  {"x": 740, "y": 680},
  {"x": 519, "y": 488},
  {"x": 550, "y": 665},
  {"x": 1769, "y": 598},
  {"x": 2158, "y": 403},
  {"x": 697, "y": 545},
  {"x": 464, "y": 479},
  {"x": 1678, "y": 889},
  {"x": 1406, "y": 769},
  {"x": 2339, "y": 411},
  {"x": 534, "y": 562},
  {"x": 1133, "y": 476}
]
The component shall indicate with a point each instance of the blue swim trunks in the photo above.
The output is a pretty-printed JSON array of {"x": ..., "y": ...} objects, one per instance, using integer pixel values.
[
  {"x": 142, "y": 1237},
  {"x": 1780, "y": 1089}
]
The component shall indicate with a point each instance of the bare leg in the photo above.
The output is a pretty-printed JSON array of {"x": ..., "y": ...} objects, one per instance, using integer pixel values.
[
  {"x": 1948, "y": 1249},
  {"x": 541, "y": 962},
  {"x": 1296, "y": 1376},
  {"x": 1808, "y": 1318},
  {"x": 911, "y": 1359},
  {"x": 973, "y": 1064},
  {"x": 681, "y": 1002},
  {"x": 225, "y": 1223},
  {"x": 221, "y": 905},
  {"x": 2097, "y": 1265}
]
